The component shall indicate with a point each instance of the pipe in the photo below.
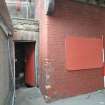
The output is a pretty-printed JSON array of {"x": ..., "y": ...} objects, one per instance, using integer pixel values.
[{"x": 12, "y": 71}]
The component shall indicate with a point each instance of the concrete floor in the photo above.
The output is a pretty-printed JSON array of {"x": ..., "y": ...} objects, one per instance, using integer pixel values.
[{"x": 32, "y": 96}]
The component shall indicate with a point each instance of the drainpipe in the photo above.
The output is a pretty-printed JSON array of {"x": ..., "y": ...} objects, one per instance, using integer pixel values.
[{"x": 12, "y": 70}]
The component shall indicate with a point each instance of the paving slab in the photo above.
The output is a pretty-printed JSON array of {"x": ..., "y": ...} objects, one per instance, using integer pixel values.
[{"x": 32, "y": 96}]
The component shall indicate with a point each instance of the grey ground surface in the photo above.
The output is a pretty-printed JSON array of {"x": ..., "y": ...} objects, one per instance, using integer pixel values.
[{"x": 32, "y": 96}]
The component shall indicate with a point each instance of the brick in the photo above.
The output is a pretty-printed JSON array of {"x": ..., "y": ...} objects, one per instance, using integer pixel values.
[{"x": 70, "y": 18}]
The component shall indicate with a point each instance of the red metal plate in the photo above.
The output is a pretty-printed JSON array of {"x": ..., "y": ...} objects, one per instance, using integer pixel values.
[
  {"x": 30, "y": 65},
  {"x": 83, "y": 52}
]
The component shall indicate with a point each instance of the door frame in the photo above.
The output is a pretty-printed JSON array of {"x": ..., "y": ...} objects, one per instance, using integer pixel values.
[{"x": 36, "y": 57}]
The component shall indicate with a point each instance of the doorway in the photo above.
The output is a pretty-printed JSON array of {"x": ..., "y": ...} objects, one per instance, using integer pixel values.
[{"x": 25, "y": 64}]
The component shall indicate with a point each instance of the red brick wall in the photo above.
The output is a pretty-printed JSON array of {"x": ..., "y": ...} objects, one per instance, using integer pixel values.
[
  {"x": 104, "y": 55},
  {"x": 70, "y": 18},
  {"x": 43, "y": 42}
]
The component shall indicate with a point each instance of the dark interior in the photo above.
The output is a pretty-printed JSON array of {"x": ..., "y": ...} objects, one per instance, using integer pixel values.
[
  {"x": 20, "y": 59},
  {"x": 20, "y": 63}
]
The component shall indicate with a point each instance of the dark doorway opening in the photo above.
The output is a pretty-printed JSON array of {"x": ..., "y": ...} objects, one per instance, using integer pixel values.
[{"x": 24, "y": 64}]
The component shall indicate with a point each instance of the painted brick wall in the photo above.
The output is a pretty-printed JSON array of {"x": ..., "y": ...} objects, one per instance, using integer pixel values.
[
  {"x": 104, "y": 58},
  {"x": 42, "y": 43},
  {"x": 70, "y": 18}
]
